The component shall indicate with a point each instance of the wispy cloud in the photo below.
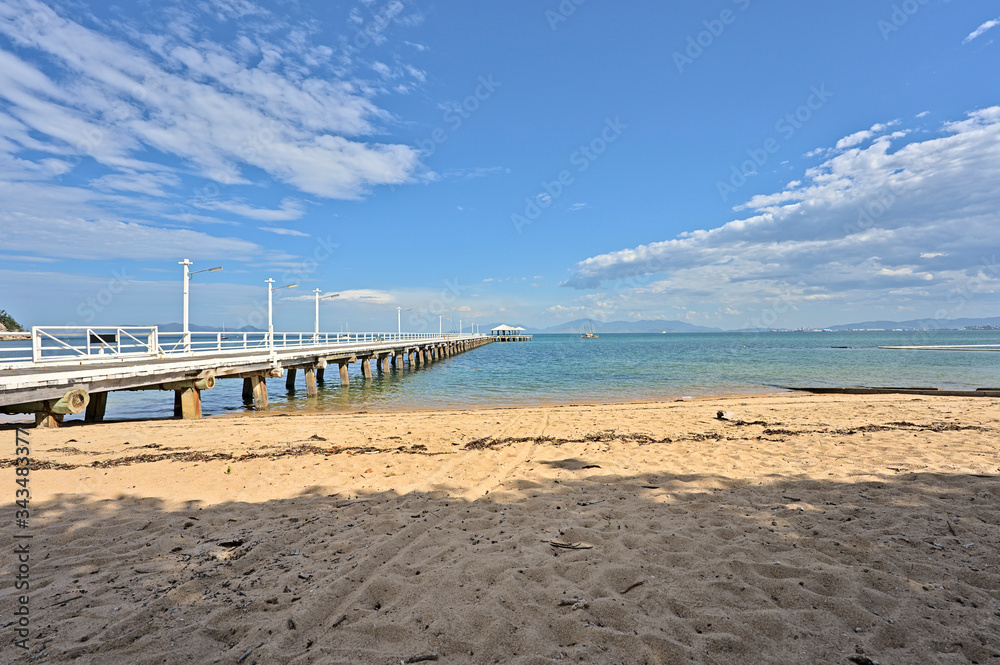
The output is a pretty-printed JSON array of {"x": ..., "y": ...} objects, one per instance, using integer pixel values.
[
  {"x": 289, "y": 210},
  {"x": 478, "y": 172},
  {"x": 283, "y": 231},
  {"x": 367, "y": 296},
  {"x": 102, "y": 239},
  {"x": 988, "y": 25},
  {"x": 25, "y": 259}
]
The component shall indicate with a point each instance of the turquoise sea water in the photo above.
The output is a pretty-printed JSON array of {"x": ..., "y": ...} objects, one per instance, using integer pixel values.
[{"x": 614, "y": 368}]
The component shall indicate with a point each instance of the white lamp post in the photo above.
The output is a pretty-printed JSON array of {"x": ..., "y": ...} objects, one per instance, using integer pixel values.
[
  {"x": 270, "y": 309},
  {"x": 318, "y": 298},
  {"x": 187, "y": 288},
  {"x": 399, "y": 320}
]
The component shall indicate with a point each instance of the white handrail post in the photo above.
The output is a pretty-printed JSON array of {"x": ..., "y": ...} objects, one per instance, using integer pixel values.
[{"x": 36, "y": 345}]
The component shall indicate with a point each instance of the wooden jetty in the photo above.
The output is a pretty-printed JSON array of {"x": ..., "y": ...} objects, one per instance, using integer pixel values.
[{"x": 66, "y": 371}]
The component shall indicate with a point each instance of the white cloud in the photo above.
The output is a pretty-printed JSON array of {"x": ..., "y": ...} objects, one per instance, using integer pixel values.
[
  {"x": 283, "y": 231},
  {"x": 367, "y": 296},
  {"x": 150, "y": 184},
  {"x": 992, "y": 23},
  {"x": 289, "y": 210},
  {"x": 478, "y": 172},
  {"x": 854, "y": 139},
  {"x": 25, "y": 259},
  {"x": 858, "y": 138},
  {"x": 851, "y": 229}
]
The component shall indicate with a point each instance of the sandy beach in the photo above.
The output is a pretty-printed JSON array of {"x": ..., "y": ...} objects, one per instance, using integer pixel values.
[{"x": 802, "y": 529}]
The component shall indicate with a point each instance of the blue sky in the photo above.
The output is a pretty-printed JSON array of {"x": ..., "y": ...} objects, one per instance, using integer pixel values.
[{"x": 731, "y": 163}]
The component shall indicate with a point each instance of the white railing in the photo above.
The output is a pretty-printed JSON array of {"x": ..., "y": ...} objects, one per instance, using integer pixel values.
[
  {"x": 76, "y": 345},
  {"x": 62, "y": 343}
]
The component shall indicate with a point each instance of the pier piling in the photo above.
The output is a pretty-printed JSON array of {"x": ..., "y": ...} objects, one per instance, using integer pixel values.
[
  {"x": 96, "y": 408},
  {"x": 290, "y": 380},
  {"x": 260, "y": 401},
  {"x": 190, "y": 399},
  {"x": 311, "y": 390},
  {"x": 47, "y": 419}
]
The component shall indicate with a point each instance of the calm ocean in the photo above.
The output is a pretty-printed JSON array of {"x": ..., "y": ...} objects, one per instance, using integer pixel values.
[{"x": 568, "y": 369}]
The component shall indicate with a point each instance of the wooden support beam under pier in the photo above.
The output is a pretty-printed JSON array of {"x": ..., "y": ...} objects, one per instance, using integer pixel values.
[
  {"x": 344, "y": 376},
  {"x": 311, "y": 390},
  {"x": 290, "y": 380},
  {"x": 96, "y": 408},
  {"x": 190, "y": 399},
  {"x": 259, "y": 383},
  {"x": 46, "y": 420}
]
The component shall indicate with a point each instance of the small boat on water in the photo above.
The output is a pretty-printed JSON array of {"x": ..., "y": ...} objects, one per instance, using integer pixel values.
[{"x": 589, "y": 334}]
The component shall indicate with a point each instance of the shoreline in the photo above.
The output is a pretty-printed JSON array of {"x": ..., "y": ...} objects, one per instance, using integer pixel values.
[{"x": 10, "y": 421}]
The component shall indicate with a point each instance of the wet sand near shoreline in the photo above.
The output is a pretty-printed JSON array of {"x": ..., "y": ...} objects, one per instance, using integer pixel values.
[{"x": 803, "y": 528}]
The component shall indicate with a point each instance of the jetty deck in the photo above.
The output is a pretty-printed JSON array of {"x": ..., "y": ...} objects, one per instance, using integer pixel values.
[{"x": 61, "y": 371}]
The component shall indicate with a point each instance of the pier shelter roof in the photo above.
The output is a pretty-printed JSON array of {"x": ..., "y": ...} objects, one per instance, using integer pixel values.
[{"x": 504, "y": 329}]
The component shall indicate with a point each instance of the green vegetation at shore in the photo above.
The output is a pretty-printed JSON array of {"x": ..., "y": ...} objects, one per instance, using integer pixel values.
[{"x": 7, "y": 322}]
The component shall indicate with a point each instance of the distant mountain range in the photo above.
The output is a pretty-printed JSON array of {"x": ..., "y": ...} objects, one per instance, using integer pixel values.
[
  {"x": 179, "y": 327},
  {"x": 919, "y": 324}
]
